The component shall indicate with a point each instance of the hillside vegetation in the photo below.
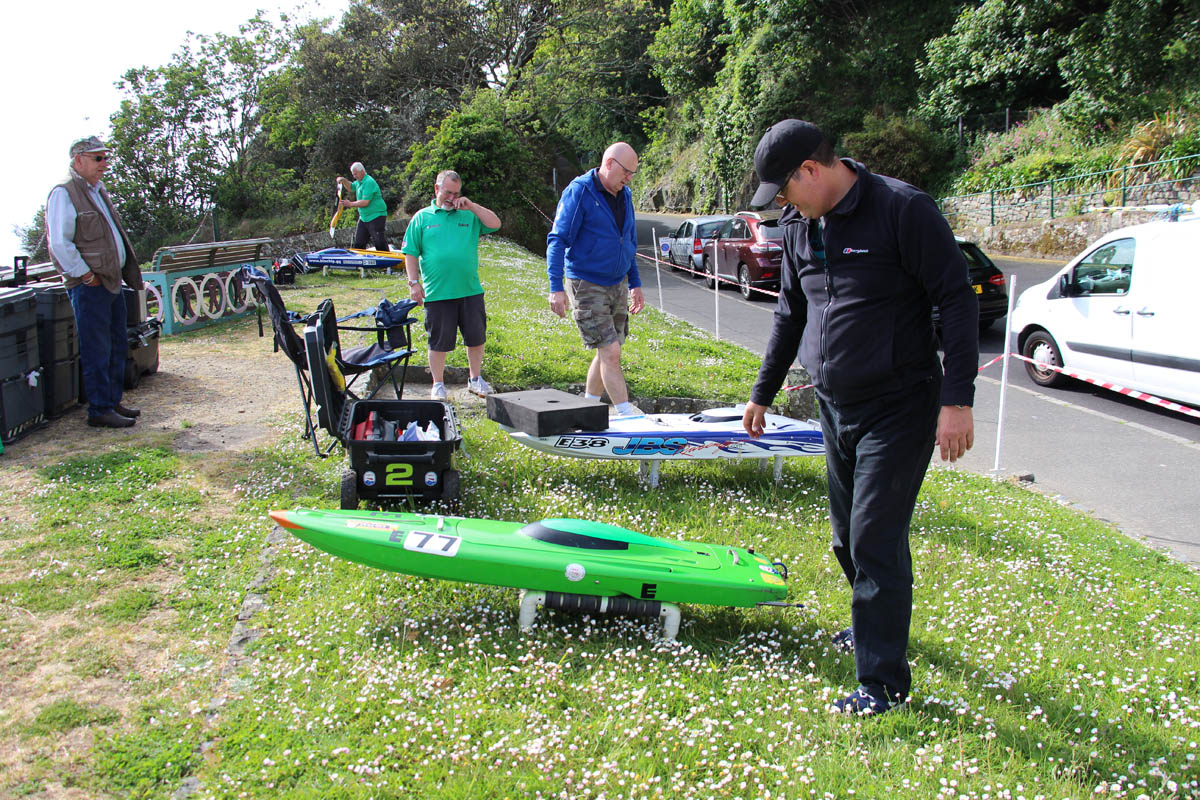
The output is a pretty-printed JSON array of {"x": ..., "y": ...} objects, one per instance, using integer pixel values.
[{"x": 520, "y": 95}]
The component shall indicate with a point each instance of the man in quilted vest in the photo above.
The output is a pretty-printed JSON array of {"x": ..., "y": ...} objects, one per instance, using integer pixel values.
[{"x": 91, "y": 249}]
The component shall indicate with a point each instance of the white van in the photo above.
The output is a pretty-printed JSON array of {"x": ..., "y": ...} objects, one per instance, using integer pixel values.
[{"x": 1121, "y": 312}]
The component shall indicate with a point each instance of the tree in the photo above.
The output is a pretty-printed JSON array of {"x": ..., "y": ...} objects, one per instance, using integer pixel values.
[
  {"x": 185, "y": 129},
  {"x": 500, "y": 167},
  {"x": 590, "y": 80},
  {"x": 1000, "y": 54}
]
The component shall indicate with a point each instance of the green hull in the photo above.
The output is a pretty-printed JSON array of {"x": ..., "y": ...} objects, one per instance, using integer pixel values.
[{"x": 555, "y": 555}]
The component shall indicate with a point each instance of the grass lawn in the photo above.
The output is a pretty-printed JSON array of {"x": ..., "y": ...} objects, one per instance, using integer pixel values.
[{"x": 1052, "y": 656}]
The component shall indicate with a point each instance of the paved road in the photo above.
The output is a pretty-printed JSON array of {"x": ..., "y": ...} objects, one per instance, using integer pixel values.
[{"x": 1126, "y": 462}]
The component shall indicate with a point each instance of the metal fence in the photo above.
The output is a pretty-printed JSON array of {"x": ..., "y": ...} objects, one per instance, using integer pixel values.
[{"x": 1150, "y": 184}]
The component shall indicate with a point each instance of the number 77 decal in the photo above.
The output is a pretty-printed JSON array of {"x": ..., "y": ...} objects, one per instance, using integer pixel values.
[{"x": 434, "y": 544}]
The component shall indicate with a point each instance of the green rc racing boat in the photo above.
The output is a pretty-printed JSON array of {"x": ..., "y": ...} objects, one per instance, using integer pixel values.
[{"x": 557, "y": 563}]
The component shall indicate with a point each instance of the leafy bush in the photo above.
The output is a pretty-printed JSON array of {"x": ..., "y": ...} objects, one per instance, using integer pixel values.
[
  {"x": 902, "y": 148},
  {"x": 500, "y": 168}
]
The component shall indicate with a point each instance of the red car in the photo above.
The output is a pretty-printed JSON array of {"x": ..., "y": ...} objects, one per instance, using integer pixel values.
[{"x": 749, "y": 250}]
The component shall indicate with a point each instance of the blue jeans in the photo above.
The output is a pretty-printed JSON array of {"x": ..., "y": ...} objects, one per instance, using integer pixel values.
[
  {"x": 103, "y": 345},
  {"x": 876, "y": 453}
]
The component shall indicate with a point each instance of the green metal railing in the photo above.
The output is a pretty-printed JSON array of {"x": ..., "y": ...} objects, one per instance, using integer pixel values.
[{"x": 1079, "y": 193}]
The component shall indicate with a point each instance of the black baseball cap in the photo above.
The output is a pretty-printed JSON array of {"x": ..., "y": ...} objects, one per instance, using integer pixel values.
[{"x": 785, "y": 146}]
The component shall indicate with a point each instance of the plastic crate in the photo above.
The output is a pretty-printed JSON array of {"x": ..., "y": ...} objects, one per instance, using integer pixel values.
[
  {"x": 60, "y": 386},
  {"x": 18, "y": 333},
  {"x": 22, "y": 406},
  {"x": 387, "y": 468}
]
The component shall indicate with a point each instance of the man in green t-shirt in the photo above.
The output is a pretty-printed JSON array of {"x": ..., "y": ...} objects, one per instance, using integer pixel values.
[
  {"x": 441, "y": 256},
  {"x": 372, "y": 211}
]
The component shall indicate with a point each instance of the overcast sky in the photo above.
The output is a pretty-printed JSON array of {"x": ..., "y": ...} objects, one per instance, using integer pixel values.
[{"x": 51, "y": 100}]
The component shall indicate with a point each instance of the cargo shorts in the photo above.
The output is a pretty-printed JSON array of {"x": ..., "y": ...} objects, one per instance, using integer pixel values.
[{"x": 601, "y": 312}]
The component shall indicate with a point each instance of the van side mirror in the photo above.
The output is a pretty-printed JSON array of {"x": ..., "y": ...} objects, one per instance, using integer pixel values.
[{"x": 1064, "y": 285}]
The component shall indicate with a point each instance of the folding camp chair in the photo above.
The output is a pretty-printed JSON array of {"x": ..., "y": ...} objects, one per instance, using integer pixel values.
[
  {"x": 391, "y": 350},
  {"x": 287, "y": 340}
]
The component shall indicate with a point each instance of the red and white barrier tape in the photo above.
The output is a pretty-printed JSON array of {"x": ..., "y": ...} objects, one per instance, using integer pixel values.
[
  {"x": 1115, "y": 387},
  {"x": 705, "y": 275},
  {"x": 1134, "y": 393}
]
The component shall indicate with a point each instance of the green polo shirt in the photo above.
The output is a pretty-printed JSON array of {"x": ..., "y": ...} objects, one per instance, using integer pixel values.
[
  {"x": 447, "y": 242},
  {"x": 368, "y": 189}
]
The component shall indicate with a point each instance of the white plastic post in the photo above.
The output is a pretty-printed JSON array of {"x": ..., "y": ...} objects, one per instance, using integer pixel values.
[
  {"x": 1012, "y": 293},
  {"x": 670, "y": 617},
  {"x": 716, "y": 293},
  {"x": 530, "y": 601},
  {"x": 657, "y": 267},
  {"x": 778, "y": 468}
]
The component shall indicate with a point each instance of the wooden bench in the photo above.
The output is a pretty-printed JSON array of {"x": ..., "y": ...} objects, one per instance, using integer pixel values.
[
  {"x": 191, "y": 285},
  {"x": 209, "y": 255}
]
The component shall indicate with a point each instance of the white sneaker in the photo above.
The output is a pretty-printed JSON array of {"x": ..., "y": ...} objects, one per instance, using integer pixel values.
[
  {"x": 631, "y": 412},
  {"x": 479, "y": 386},
  {"x": 438, "y": 392}
]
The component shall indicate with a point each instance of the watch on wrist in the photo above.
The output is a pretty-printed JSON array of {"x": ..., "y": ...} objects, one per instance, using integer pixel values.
[{"x": 412, "y": 282}]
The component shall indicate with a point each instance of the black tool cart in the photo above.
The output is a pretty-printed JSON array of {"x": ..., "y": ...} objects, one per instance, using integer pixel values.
[{"x": 399, "y": 449}]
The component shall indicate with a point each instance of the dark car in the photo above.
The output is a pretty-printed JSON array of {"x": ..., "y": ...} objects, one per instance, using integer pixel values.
[
  {"x": 749, "y": 250},
  {"x": 989, "y": 285},
  {"x": 684, "y": 246}
]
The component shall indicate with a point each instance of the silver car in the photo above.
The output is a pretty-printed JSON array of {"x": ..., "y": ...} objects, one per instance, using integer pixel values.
[{"x": 685, "y": 247}]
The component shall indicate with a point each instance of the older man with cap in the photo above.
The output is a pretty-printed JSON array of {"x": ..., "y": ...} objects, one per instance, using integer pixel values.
[
  {"x": 865, "y": 259},
  {"x": 591, "y": 259},
  {"x": 89, "y": 246}
]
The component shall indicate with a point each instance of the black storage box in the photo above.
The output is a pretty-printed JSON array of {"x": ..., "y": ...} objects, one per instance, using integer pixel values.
[
  {"x": 143, "y": 338},
  {"x": 58, "y": 346},
  {"x": 546, "y": 412},
  {"x": 382, "y": 466},
  {"x": 55, "y": 322},
  {"x": 21, "y": 406},
  {"x": 60, "y": 386},
  {"x": 18, "y": 333},
  {"x": 143, "y": 352}
]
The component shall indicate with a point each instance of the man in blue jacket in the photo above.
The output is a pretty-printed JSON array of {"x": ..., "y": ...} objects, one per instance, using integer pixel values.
[
  {"x": 591, "y": 258},
  {"x": 865, "y": 257}
]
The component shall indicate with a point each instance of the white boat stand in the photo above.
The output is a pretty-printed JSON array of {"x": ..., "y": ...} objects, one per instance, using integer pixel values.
[
  {"x": 531, "y": 600},
  {"x": 648, "y": 469}
]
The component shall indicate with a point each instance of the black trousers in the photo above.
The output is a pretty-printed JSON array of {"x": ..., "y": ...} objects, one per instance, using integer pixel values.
[
  {"x": 876, "y": 453},
  {"x": 373, "y": 231}
]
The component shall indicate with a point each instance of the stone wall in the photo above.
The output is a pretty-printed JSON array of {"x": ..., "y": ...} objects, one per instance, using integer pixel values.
[
  {"x": 1061, "y": 238},
  {"x": 1031, "y": 222}
]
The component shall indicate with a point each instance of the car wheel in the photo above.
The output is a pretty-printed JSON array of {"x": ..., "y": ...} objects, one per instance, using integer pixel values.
[
  {"x": 349, "y": 490},
  {"x": 671, "y": 259},
  {"x": 1043, "y": 351},
  {"x": 744, "y": 282},
  {"x": 709, "y": 279}
]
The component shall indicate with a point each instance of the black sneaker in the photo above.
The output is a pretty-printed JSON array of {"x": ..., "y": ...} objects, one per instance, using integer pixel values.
[
  {"x": 844, "y": 640},
  {"x": 862, "y": 703}
]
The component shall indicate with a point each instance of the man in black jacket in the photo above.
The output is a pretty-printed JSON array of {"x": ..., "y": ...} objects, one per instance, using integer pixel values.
[{"x": 865, "y": 258}]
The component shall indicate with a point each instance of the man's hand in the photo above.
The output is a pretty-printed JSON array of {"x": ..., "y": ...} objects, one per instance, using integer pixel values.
[
  {"x": 462, "y": 203},
  {"x": 417, "y": 292},
  {"x": 753, "y": 420},
  {"x": 955, "y": 432},
  {"x": 638, "y": 300},
  {"x": 90, "y": 279},
  {"x": 558, "y": 303}
]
